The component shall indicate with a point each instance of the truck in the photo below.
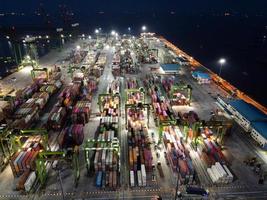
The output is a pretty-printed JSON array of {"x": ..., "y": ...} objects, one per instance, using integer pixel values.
[
  {"x": 196, "y": 191},
  {"x": 160, "y": 169}
]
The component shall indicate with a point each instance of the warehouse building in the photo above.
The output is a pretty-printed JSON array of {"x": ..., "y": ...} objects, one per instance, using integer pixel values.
[
  {"x": 249, "y": 118},
  {"x": 201, "y": 77},
  {"x": 170, "y": 68}
]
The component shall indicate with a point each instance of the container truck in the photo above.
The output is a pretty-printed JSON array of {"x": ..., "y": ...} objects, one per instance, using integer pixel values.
[{"x": 196, "y": 191}]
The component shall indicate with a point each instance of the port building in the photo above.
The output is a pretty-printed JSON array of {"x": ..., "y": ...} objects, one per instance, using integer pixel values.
[{"x": 250, "y": 118}]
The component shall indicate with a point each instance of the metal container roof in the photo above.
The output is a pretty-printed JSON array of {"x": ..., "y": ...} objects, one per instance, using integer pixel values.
[{"x": 250, "y": 112}]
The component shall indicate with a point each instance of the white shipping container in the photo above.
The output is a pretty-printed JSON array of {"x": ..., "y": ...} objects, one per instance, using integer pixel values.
[
  {"x": 132, "y": 179},
  {"x": 29, "y": 182},
  {"x": 211, "y": 175},
  {"x": 139, "y": 178},
  {"x": 143, "y": 173}
]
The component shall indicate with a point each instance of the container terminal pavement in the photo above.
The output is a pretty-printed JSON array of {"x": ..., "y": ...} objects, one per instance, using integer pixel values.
[{"x": 123, "y": 117}]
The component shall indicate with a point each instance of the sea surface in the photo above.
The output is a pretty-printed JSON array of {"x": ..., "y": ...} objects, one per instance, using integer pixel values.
[{"x": 240, "y": 39}]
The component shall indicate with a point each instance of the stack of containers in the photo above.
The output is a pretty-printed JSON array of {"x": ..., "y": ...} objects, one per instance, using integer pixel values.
[
  {"x": 131, "y": 83},
  {"x": 71, "y": 136},
  {"x": 167, "y": 83},
  {"x": 110, "y": 106},
  {"x": 140, "y": 155},
  {"x": 41, "y": 98},
  {"x": 23, "y": 161},
  {"x": 81, "y": 112},
  {"x": 92, "y": 85},
  {"x": 106, "y": 161},
  {"x": 114, "y": 87},
  {"x": 51, "y": 88},
  {"x": 177, "y": 154},
  {"x": 220, "y": 174},
  {"x": 160, "y": 104},
  {"x": 69, "y": 93},
  {"x": 57, "y": 118},
  {"x": 213, "y": 151}
]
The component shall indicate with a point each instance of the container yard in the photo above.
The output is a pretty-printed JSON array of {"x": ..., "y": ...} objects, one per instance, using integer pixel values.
[{"x": 110, "y": 121}]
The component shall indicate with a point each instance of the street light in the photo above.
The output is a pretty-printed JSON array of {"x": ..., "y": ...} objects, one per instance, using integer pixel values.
[
  {"x": 113, "y": 32},
  {"x": 96, "y": 31},
  {"x": 143, "y": 28},
  {"x": 222, "y": 62},
  {"x": 89, "y": 37},
  {"x": 78, "y": 47}
]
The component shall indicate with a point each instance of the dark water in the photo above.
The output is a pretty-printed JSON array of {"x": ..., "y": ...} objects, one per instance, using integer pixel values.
[{"x": 242, "y": 40}]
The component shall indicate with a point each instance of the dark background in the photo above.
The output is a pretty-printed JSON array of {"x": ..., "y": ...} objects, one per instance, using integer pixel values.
[{"x": 206, "y": 29}]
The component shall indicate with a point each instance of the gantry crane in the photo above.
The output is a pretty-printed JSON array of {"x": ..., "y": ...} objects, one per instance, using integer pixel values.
[
  {"x": 178, "y": 87},
  {"x": 92, "y": 145},
  {"x": 34, "y": 70},
  {"x": 44, "y": 158}
]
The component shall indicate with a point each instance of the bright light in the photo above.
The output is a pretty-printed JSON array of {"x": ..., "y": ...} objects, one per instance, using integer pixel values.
[
  {"x": 62, "y": 35},
  {"x": 23, "y": 41},
  {"x": 89, "y": 37},
  {"x": 222, "y": 61},
  {"x": 28, "y": 57},
  {"x": 83, "y": 35},
  {"x": 129, "y": 28},
  {"x": 47, "y": 36},
  {"x": 27, "y": 36},
  {"x": 158, "y": 40},
  {"x": 40, "y": 37},
  {"x": 70, "y": 35},
  {"x": 143, "y": 28},
  {"x": 116, "y": 34},
  {"x": 78, "y": 47},
  {"x": 107, "y": 46},
  {"x": 96, "y": 31},
  {"x": 7, "y": 37},
  {"x": 113, "y": 32}
]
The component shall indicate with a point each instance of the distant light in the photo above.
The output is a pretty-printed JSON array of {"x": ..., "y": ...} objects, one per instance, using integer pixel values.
[
  {"x": 48, "y": 41},
  {"x": 78, "y": 47},
  {"x": 70, "y": 35},
  {"x": 113, "y": 32},
  {"x": 158, "y": 40},
  {"x": 143, "y": 28},
  {"x": 100, "y": 28},
  {"x": 133, "y": 37},
  {"x": 40, "y": 37},
  {"x": 107, "y": 46},
  {"x": 83, "y": 35},
  {"x": 222, "y": 61},
  {"x": 28, "y": 57},
  {"x": 116, "y": 34},
  {"x": 23, "y": 41},
  {"x": 129, "y": 28},
  {"x": 62, "y": 35},
  {"x": 27, "y": 36},
  {"x": 46, "y": 36},
  {"x": 96, "y": 31},
  {"x": 7, "y": 37},
  {"x": 89, "y": 37}
]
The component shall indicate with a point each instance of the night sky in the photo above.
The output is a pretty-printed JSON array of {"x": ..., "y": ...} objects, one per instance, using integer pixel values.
[
  {"x": 188, "y": 6},
  {"x": 200, "y": 27}
]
